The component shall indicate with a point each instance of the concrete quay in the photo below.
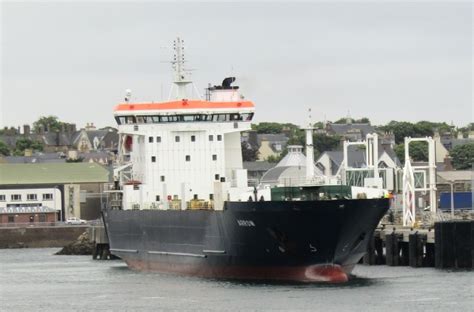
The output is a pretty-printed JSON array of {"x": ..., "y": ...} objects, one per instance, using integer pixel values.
[{"x": 39, "y": 236}]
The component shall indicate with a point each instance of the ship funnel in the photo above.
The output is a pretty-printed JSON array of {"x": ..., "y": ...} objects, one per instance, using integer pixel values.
[{"x": 226, "y": 83}]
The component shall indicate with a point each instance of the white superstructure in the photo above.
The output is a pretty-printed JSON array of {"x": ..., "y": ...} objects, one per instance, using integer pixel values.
[{"x": 183, "y": 153}]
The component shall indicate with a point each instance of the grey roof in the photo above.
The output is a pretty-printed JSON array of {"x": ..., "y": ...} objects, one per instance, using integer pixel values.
[
  {"x": 108, "y": 138},
  {"x": 52, "y": 173},
  {"x": 258, "y": 165},
  {"x": 291, "y": 175},
  {"x": 456, "y": 175},
  {"x": 449, "y": 143},
  {"x": 356, "y": 157},
  {"x": 36, "y": 158},
  {"x": 342, "y": 129},
  {"x": 274, "y": 174},
  {"x": 272, "y": 138}
]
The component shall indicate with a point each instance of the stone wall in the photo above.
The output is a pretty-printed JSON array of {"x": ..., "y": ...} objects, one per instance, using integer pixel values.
[{"x": 38, "y": 237}]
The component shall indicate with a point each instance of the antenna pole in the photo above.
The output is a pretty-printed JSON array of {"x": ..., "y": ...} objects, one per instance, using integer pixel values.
[{"x": 180, "y": 79}]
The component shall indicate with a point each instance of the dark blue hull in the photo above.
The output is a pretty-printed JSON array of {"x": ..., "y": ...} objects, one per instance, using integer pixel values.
[{"x": 298, "y": 240}]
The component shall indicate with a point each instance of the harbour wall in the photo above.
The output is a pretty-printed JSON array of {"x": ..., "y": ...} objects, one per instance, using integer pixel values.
[{"x": 39, "y": 237}]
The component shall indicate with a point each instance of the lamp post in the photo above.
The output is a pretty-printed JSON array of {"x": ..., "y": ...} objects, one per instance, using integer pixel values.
[{"x": 451, "y": 184}]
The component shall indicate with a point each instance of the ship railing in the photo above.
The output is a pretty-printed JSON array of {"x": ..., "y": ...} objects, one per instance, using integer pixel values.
[{"x": 199, "y": 204}]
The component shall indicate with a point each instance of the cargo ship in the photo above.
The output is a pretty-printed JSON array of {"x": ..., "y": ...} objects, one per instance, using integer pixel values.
[{"x": 181, "y": 201}]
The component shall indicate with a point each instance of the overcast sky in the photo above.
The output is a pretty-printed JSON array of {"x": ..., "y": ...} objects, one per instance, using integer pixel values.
[{"x": 385, "y": 61}]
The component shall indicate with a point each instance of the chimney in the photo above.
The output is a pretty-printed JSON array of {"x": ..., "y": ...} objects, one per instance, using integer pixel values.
[
  {"x": 448, "y": 165},
  {"x": 26, "y": 129},
  {"x": 58, "y": 137}
]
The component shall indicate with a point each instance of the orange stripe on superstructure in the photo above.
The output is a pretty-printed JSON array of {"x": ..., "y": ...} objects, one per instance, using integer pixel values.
[{"x": 184, "y": 104}]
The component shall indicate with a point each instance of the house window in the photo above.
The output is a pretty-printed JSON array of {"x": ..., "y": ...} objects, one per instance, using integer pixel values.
[
  {"x": 193, "y": 138},
  {"x": 219, "y": 137},
  {"x": 188, "y": 158},
  {"x": 42, "y": 217},
  {"x": 16, "y": 197},
  {"x": 2, "y": 197},
  {"x": 150, "y": 139},
  {"x": 216, "y": 177},
  {"x": 157, "y": 198},
  {"x": 162, "y": 178},
  {"x": 31, "y": 197},
  {"x": 214, "y": 157},
  {"x": 158, "y": 139},
  {"x": 211, "y": 137},
  {"x": 153, "y": 158},
  {"x": 11, "y": 219},
  {"x": 48, "y": 196},
  {"x": 176, "y": 138}
]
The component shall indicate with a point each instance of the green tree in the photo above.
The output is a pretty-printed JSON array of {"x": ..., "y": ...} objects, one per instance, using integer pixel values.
[
  {"x": 274, "y": 159},
  {"x": 24, "y": 143},
  {"x": 51, "y": 123},
  {"x": 418, "y": 151},
  {"x": 400, "y": 130},
  {"x": 341, "y": 121},
  {"x": 268, "y": 127},
  {"x": 248, "y": 152},
  {"x": 4, "y": 150},
  {"x": 318, "y": 125},
  {"x": 322, "y": 143},
  {"x": 363, "y": 120},
  {"x": 463, "y": 156}
]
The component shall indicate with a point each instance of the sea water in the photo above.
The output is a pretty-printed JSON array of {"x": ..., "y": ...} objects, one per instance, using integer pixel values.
[{"x": 38, "y": 280}]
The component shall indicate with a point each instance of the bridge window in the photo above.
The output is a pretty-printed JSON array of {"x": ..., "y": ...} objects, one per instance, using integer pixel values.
[
  {"x": 176, "y": 138},
  {"x": 153, "y": 158},
  {"x": 158, "y": 139},
  {"x": 193, "y": 138},
  {"x": 214, "y": 157},
  {"x": 48, "y": 196},
  {"x": 219, "y": 137},
  {"x": 216, "y": 176},
  {"x": 149, "y": 119},
  {"x": 211, "y": 137},
  {"x": 235, "y": 117},
  {"x": 188, "y": 158},
  {"x": 162, "y": 178},
  {"x": 150, "y": 139},
  {"x": 246, "y": 116}
]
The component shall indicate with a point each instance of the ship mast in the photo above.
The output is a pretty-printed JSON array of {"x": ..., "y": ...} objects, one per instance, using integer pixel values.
[
  {"x": 309, "y": 149},
  {"x": 180, "y": 80}
]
